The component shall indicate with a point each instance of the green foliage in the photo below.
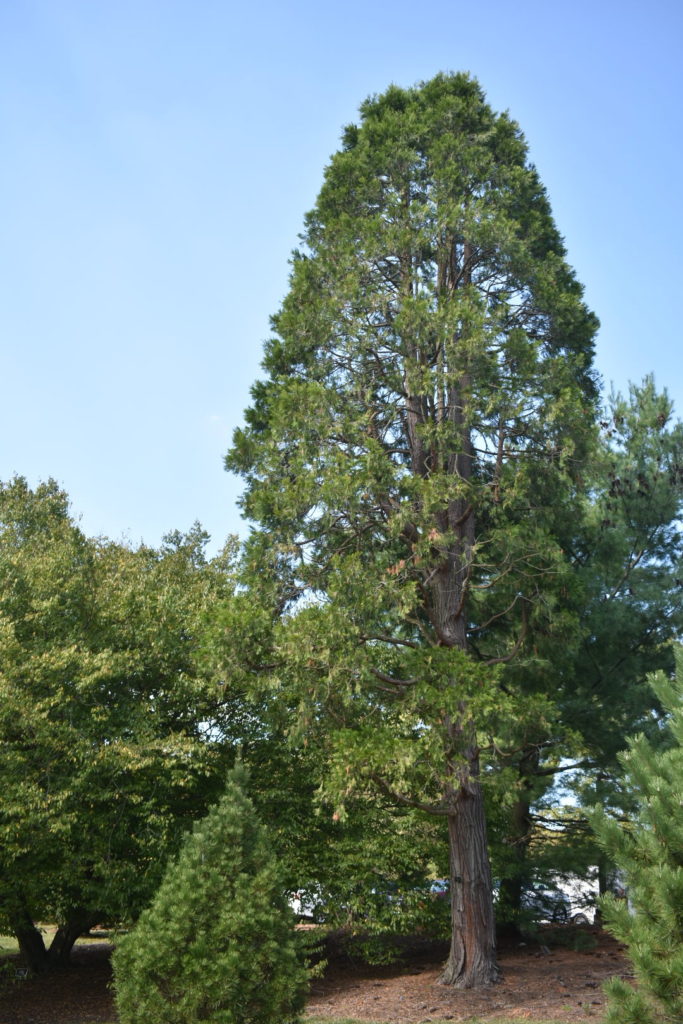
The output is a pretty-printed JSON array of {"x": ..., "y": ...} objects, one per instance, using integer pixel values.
[
  {"x": 627, "y": 554},
  {"x": 415, "y": 453},
  {"x": 433, "y": 354},
  {"x": 342, "y": 857},
  {"x": 648, "y": 852},
  {"x": 218, "y": 943},
  {"x": 104, "y": 759},
  {"x": 427, "y": 407},
  {"x": 625, "y": 548}
]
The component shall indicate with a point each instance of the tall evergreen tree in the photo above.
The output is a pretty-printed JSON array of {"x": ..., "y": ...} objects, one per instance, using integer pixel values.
[
  {"x": 627, "y": 554},
  {"x": 420, "y": 433},
  {"x": 648, "y": 851}
]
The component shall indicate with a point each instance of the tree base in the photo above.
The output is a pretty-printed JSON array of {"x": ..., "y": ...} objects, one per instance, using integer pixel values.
[{"x": 479, "y": 975}]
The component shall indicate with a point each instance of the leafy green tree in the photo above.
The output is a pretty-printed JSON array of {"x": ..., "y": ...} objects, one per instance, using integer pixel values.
[
  {"x": 629, "y": 558},
  {"x": 412, "y": 458},
  {"x": 104, "y": 759},
  {"x": 648, "y": 851},
  {"x": 218, "y": 942}
]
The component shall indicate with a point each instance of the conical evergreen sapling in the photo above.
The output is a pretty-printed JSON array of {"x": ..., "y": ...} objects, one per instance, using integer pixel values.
[
  {"x": 218, "y": 942},
  {"x": 649, "y": 855}
]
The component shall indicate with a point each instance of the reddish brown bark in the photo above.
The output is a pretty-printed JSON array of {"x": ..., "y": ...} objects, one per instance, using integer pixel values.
[{"x": 472, "y": 961}]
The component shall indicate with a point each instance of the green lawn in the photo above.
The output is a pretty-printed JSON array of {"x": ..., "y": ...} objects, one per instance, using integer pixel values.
[{"x": 8, "y": 944}]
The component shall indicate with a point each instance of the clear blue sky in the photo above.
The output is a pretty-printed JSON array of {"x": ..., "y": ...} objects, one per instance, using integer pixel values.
[{"x": 158, "y": 157}]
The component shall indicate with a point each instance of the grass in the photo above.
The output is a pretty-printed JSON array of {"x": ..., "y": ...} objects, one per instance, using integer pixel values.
[{"x": 8, "y": 944}]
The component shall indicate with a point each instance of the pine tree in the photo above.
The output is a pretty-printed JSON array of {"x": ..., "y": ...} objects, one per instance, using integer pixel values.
[
  {"x": 648, "y": 851},
  {"x": 626, "y": 550},
  {"x": 427, "y": 409},
  {"x": 217, "y": 943}
]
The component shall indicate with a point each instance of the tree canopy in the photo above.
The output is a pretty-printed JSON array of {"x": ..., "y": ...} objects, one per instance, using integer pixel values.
[
  {"x": 625, "y": 551},
  {"x": 103, "y": 755}
]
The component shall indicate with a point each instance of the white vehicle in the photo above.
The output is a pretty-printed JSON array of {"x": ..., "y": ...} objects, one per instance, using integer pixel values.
[
  {"x": 579, "y": 895},
  {"x": 306, "y": 903}
]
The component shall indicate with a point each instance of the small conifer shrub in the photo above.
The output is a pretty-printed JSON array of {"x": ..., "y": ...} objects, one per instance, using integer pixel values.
[
  {"x": 217, "y": 943},
  {"x": 649, "y": 854}
]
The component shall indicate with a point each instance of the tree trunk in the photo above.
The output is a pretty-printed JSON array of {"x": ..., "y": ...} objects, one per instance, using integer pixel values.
[
  {"x": 31, "y": 944},
  {"x": 30, "y": 941},
  {"x": 78, "y": 923},
  {"x": 606, "y": 883},
  {"x": 521, "y": 827},
  {"x": 516, "y": 878},
  {"x": 472, "y": 959}
]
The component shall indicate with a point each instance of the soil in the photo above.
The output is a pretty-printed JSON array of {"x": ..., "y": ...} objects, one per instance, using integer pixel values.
[{"x": 541, "y": 981}]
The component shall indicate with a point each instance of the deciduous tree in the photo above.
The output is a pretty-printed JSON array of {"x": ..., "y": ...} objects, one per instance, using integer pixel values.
[{"x": 104, "y": 759}]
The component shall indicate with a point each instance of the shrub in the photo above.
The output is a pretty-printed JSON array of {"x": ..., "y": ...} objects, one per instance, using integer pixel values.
[{"x": 217, "y": 943}]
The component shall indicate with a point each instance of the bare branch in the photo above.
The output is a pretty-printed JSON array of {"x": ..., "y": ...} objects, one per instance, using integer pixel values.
[
  {"x": 390, "y": 679},
  {"x": 406, "y": 801},
  {"x": 391, "y": 640}
]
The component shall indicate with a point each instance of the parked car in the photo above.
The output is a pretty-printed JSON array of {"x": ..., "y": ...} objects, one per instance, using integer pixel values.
[
  {"x": 556, "y": 904},
  {"x": 440, "y": 888},
  {"x": 307, "y": 904},
  {"x": 547, "y": 904}
]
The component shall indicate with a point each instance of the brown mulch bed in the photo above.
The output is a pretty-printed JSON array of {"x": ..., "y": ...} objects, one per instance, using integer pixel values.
[
  {"x": 539, "y": 983},
  {"x": 78, "y": 995}
]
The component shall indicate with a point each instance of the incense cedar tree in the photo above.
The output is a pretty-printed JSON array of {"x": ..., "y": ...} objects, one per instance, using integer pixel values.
[{"x": 427, "y": 408}]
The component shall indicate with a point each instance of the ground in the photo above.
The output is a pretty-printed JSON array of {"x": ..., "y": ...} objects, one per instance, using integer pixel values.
[{"x": 541, "y": 981}]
